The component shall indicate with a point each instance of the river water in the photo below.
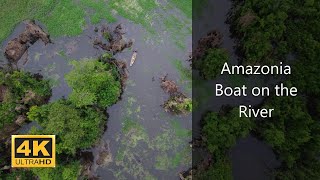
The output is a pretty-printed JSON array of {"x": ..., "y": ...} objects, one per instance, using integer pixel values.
[
  {"x": 156, "y": 147},
  {"x": 157, "y": 144}
]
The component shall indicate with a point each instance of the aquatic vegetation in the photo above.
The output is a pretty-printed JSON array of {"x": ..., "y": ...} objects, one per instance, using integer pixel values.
[
  {"x": 168, "y": 143},
  {"x": 130, "y": 106},
  {"x": 93, "y": 82},
  {"x": 165, "y": 162},
  {"x": 177, "y": 28},
  {"x": 185, "y": 6},
  {"x": 19, "y": 11},
  {"x": 37, "y": 56},
  {"x": 137, "y": 11},
  {"x": 128, "y": 153},
  {"x": 172, "y": 147},
  {"x": 7, "y": 113},
  {"x": 53, "y": 78},
  {"x": 178, "y": 104},
  {"x": 101, "y": 10},
  {"x": 62, "y": 54},
  {"x": 133, "y": 133},
  {"x": 179, "y": 130},
  {"x": 107, "y": 55},
  {"x": 63, "y": 18},
  {"x": 185, "y": 73}
]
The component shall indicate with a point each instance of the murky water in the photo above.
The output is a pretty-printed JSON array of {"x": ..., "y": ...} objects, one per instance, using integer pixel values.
[{"x": 156, "y": 147}]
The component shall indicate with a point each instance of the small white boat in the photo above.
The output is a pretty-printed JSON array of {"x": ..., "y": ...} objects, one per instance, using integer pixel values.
[{"x": 133, "y": 58}]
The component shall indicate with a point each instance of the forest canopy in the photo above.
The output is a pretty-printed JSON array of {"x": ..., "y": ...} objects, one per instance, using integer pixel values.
[{"x": 93, "y": 83}]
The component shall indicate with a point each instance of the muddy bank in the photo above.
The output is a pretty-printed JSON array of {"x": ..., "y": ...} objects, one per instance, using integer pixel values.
[
  {"x": 19, "y": 45},
  {"x": 116, "y": 42}
]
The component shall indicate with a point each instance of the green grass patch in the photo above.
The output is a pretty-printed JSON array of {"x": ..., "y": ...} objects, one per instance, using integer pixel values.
[
  {"x": 184, "y": 5},
  {"x": 137, "y": 11},
  {"x": 13, "y": 12},
  {"x": 66, "y": 18},
  {"x": 61, "y": 18},
  {"x": 101, "y": 10}
]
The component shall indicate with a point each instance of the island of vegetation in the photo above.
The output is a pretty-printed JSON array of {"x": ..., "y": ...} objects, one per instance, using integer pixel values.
[{"x": 77, "y": 121}]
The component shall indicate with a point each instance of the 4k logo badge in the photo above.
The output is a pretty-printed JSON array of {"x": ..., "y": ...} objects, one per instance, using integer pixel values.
[{"x": 33, "y": 151}]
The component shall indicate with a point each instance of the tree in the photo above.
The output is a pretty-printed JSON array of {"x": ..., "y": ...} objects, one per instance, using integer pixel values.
[
  {"x": 221, "y": 169},
  {"x": 63, "y": 171},
  {"x": 210, "y": 66},
  {"x": 222, "y": 131},
  {"x": 93, "y": 83},
  {"x": 20, "y": 89},
  {"x": 75, "y": 128},
  {"x": 294, "y": 135}
]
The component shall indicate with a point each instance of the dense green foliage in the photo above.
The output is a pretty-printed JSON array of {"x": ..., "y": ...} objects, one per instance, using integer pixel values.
[
  {"x": 77, "y": 121},
  {"x": 221, "y": 169},
  {"x": 19, "y": 91},
  {"x": 222, "y": 131},
  {"x": 74, "y": 128},
  {"x": 211, "y": 64},
  {"x": 93, "y": 83},
  {"x": 269, "y": 31},
  {"x": 260, "y": 28},
  {"x": 17, "y": 174},
  {"x": 295, "y": 137},
  {"x": 65, "y": 170},
  {"x": 19, "y": 88}
]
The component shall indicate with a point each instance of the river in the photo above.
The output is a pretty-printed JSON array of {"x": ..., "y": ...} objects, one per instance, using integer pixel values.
[{"x": 157, "y": 145}]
